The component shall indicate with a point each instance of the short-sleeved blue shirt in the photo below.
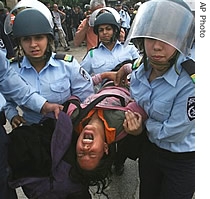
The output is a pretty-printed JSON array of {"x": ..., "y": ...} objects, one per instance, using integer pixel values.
[
  {"x": 169, "y": 101},
  {"x": 56, "y": 82},
  {"x": 101, "y": 59}
]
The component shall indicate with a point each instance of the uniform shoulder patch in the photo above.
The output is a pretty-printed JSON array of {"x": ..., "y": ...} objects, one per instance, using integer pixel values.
[
  {"x": 65, "y": 57},
  {"x": 83, "y": 72},
  {"x": 137, "y": 62},
  {"x": 191, "y": 108}
]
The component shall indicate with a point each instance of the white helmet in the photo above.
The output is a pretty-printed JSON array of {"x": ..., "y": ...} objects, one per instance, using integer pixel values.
[
  {"x": 97, "y": 12},
  {"x": 27, "y": 4},
  {"x": 138, "y": 3}
]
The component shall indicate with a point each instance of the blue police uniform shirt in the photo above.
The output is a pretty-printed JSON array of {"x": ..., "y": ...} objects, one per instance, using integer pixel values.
[
  {"x": 57, "y": 81},
  {"x": 12, "y": 87},
  {"x": 169, "y": 101},
  {"x": 101, "y": 59},
  {"x": 2, "y": 101},
  {"x": 125, "y": 19}
]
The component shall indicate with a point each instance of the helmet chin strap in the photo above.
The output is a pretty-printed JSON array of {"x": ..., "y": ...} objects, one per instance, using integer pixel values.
[{"x": 167, "y": 64}]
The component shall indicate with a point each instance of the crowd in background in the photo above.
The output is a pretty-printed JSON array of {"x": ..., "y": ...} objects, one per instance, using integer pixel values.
[
  {"x": 75, "y": 14},
  {"x": 70, "y": 19}
]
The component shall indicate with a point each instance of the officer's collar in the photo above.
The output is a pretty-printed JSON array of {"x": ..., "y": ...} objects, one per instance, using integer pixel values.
[
  {"x": 171, "y": 76},
  {"x": 103, "y": 46}
]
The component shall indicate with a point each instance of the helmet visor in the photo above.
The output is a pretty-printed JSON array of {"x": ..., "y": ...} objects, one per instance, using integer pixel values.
[
  {"x": 97, "y": 12},
  {"x": 165, "y": 21},
  {"x": 8, "y": 25}
]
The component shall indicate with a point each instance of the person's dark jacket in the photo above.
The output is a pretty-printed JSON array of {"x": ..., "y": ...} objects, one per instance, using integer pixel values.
[{"x": 5, "y": 40}]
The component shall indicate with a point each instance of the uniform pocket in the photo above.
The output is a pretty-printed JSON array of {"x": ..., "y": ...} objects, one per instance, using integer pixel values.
[
  {"x": 160, "y": 110},
  {"x": 60, "y": 85},
  {"x": 60, "y": 90},
  {"x": 99, "y": 64}
]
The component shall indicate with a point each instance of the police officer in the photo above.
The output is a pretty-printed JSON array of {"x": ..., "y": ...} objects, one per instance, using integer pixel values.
[
  {"x": 55, "y": 77},
  {"x": 165, "y": 90},
  {"x": 14, "y": 88},
  {"x": 124, "y": 16},
  {"x": 110, "y": 52}
]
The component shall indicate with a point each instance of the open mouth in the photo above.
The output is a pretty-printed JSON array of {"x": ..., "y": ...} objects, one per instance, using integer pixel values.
[{"x": 88, "y": 138}]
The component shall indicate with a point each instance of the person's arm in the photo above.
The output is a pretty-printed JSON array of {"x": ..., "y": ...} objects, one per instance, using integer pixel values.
[
  {"x": 17, "y": 120},
  {"x": 98, "y": 78},
  {"x": 63, "y": 18},
  {"x": 134, "y": 119},
  {"x": 51, "y": 107},
  {"x": 121, "y": 75},
  {"x": 81, "y": 81},
  {"x": 80, "y": 35},
  {"x": 61, "y": 12},
  {"x": 14, "y": 88},
  {"x": 122, "y": 35},
  {"x": 117, "y": 76},
  {"x": 133, "y": 123},
  {"x": 10, "y": 110}
]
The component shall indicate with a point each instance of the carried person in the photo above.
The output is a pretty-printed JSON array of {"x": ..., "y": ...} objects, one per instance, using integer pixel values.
[{"x": 79, "y": 148}]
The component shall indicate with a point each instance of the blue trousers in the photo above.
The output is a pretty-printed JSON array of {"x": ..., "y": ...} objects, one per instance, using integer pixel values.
[
  {"x": 166, "y": 175},
  {"x": 5, "y": 191}
]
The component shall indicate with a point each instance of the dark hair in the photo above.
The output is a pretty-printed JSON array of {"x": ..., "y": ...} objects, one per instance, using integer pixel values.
[{"x": 100, "y": 176}]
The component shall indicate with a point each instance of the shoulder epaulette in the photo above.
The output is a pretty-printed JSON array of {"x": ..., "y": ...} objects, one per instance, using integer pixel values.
[
  {"x": 15, "y": 59},
  {"x": 91, "y": 51},
  {"x": 189, "y": 66},
  {"x": 65, "y": 57},
  {"x": 137, "y": 62}
]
